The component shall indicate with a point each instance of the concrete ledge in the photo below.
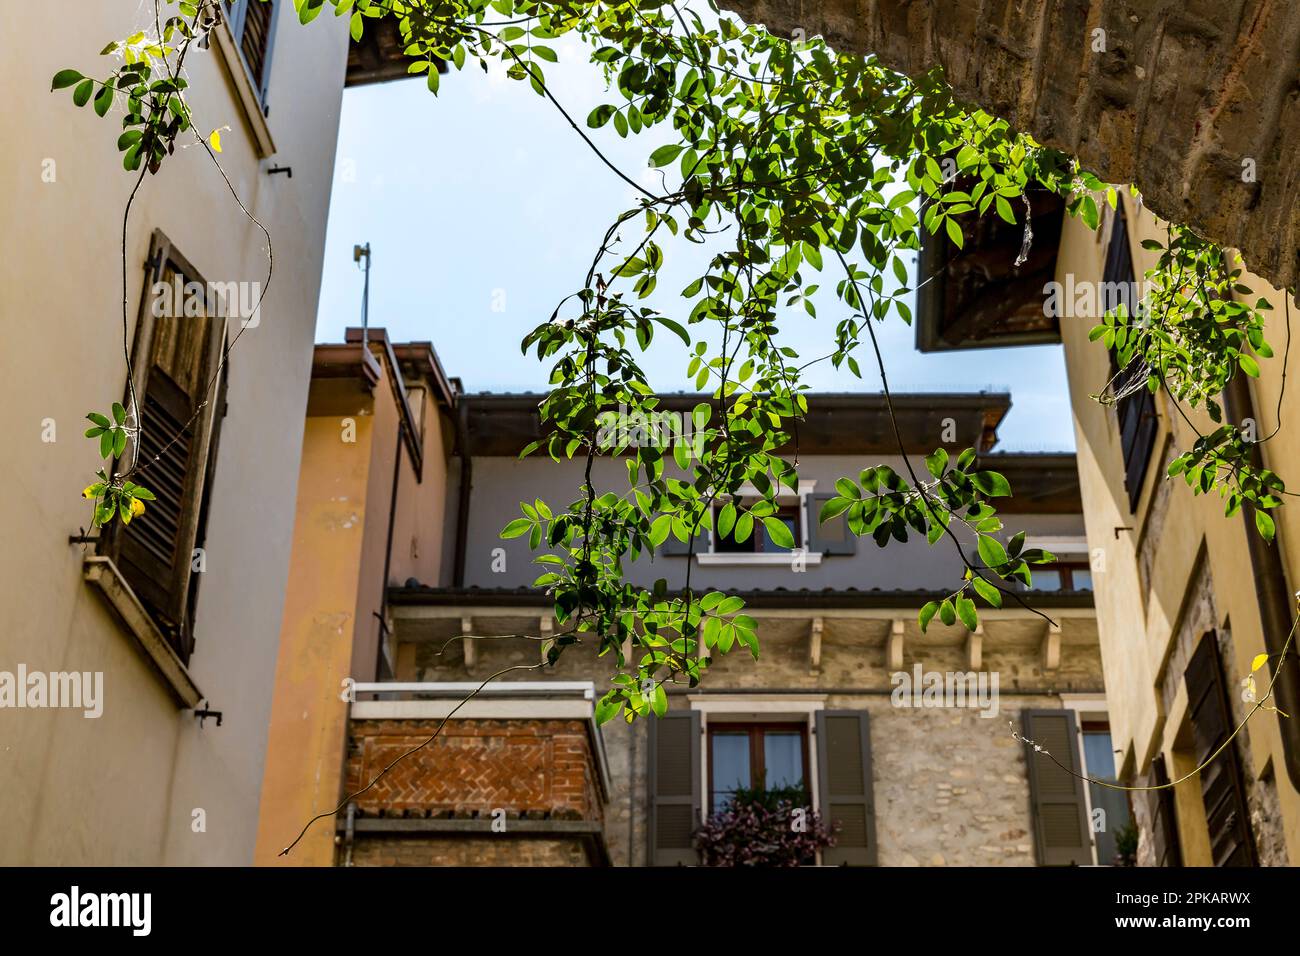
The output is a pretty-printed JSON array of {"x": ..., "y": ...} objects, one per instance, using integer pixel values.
[{"x": 108, "y": 581}]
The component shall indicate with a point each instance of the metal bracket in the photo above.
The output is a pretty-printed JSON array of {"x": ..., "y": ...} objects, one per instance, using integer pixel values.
[
  {"x": 280, "y": 169},
  {"x": 205, "y": 713}
]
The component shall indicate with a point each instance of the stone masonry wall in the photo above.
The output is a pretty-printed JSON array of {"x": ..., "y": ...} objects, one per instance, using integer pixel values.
[
  {"x": 950, "y": 786},
  {"x": 1195, "y": 101}
]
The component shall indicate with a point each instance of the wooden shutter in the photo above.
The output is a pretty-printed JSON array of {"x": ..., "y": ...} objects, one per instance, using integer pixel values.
[
  {"x": 674, "y": 784},
  {"x": 1162, "y": 813},
  {"x": 844, "y": 786},
  {"x": 1056, "y": 801},
  {"x": 1137, "y": 412},
  {"x": 175, "y": 358},
  {"x": 252, "y": 24},
  {"x": 1222, "y": 790},
  {"x": 834, "y": 536}
]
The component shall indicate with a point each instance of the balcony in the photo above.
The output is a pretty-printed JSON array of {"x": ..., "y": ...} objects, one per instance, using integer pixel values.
[{"x": 518, "y": 776}]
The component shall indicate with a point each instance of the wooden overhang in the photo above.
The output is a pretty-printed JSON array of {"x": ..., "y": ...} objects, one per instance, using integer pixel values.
[
  {"x": 838, "y": 423},
  {"x": 976, "y": 296},
  {"x": 378, "y": 56}
]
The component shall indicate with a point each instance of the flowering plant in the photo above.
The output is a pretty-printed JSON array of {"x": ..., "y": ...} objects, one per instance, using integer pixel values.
[{"x": 762, "y": 827}]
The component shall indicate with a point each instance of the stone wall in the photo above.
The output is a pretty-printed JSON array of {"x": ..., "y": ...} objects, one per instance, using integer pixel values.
[
  {"x": 950, "y": 785},
  {"x": 1195, "y": 101}
]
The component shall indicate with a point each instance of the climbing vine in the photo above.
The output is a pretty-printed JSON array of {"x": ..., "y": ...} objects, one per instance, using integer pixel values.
[{"x": 801, "y": 162}]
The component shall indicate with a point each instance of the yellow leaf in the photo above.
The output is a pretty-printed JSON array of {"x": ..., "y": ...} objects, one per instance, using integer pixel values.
[
  {"x": 137, "y": 507},
  {"x": 1259, "y": 661},
  {"x": 89, "y": 492},
  {"x": 214, "y": 140}
]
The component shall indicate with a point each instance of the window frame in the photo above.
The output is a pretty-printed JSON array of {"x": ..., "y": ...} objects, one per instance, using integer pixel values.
[
  {"x": 181, "y": 588},
  {"x": 757, "y": 756}
]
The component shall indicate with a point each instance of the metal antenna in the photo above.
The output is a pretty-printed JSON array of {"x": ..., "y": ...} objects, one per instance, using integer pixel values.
[{"x": 357, "y": 253}]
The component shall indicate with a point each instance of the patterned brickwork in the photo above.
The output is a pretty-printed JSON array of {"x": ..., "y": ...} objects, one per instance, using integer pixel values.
[{"x": 525, "y": 767}]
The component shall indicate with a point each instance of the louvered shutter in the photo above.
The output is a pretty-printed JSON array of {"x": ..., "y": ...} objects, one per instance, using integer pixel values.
[
  {"x": 1161, "y": 811},
  {"x": 252, "y": 24},
  {"x": 175, "y": 358},
  {"x": 1136, "y": 412},
  {"x": 1061, "y": 833},
  {"x": 1222, "y": 790},
  {"x": 834, "y": 536},
  {"x": 844, "y": 786},
  {"x": 674, "y": 785}
]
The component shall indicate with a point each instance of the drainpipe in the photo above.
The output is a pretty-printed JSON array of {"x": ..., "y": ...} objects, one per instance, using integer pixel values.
[
  {"x": 462, "y": 503},
  {"x": 388, "y": 551},
  {"x": 1276, "y": 603}
]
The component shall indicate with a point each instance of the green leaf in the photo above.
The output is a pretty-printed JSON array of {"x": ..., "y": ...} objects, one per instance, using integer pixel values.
[
  {"x": 104, "y": 100},
  {"x": 99, "y": 419},
  {"x": 81, "y": 95},
  {"x": 992, "y": 484},
  {"x": 660, "y": 529},
  {"x": 966, "y": 611},
  {"x": 927, "y": 614},
  {"x": 664, "y": 155},
  {"x": 106, "y": 444},
  {"x": 516, "y": 528},
  {"x": 119, "y": 413},
  {"x": 936, "y": 462},
  {"x": 991, "y": 551},
  {"x": 946, "y": 612},
  {"x": 954, "y": 231},
  {"x": 65, "y": 78},
  {"x": 119, "y": 442},
  {"x": 987, "y": 591},
  {"x": 779, "y": 532},
  {"x": 1264, "y": 524}
]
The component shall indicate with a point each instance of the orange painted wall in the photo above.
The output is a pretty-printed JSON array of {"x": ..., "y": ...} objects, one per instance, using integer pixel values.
[{"x": 331, "y": 629}]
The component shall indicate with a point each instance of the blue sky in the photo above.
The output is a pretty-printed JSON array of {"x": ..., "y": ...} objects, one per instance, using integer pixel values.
[{"x": 483, "y": 209}]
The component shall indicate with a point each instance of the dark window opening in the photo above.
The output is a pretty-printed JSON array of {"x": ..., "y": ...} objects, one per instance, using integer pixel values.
[{"x": 760, "y": 540}]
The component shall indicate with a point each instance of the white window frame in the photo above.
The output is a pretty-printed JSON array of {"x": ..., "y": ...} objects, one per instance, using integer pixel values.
[{"x": 739, "y": 558}]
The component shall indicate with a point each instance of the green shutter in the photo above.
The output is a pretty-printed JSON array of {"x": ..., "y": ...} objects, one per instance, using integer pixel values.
[
  {"x": 674, "y": 784},
  {"x": 1061, "y": 833},
  {"x": 844, "y": 786},
  {"x": 834, "y": 536}
]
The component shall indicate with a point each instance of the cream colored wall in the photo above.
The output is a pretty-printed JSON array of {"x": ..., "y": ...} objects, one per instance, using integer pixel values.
[
  {"x": 1138, "y": 628},
  {"x": 122, "y": 789}
]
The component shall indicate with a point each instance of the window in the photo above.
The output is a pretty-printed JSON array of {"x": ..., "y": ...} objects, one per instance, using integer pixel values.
[
  {"x": 1062, "y": 576},
  {"x": 179, "y": 342},
  {"x": 760, "y": 541},
  {"x": 756, "y": 757},
  {"x": 1137, "y": 411},
  {"x": 252, "y": 24},
  {"x": 1099, "y": 763}
]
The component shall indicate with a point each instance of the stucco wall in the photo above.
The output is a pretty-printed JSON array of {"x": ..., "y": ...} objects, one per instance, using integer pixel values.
[
  {"x": 123, "y": 788},
  {"x": 1141, "y": 605},
  {"x": 500, "y": 483}
]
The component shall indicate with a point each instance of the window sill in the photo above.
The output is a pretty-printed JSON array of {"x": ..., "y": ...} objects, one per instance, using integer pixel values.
[
  {"x": 783, "y": 558},
  {"x": 107, "y": 579},
  {"x": 244, "y": 91}
]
